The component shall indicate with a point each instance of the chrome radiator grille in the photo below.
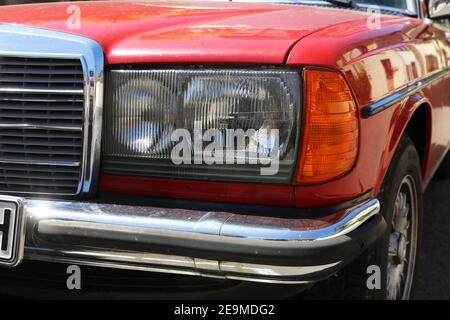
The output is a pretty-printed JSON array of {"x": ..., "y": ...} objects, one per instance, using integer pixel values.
[{"x": 41, "y": 125}]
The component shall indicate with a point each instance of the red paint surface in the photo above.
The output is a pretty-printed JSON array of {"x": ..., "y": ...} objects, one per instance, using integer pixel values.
[
  {"x": 375, "y": 62},
  {"x": 185, "y": 32},
  {"x": 248, "y": 193}
]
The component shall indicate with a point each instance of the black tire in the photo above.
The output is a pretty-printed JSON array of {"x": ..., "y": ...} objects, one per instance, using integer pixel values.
[{"x": 351, "y": 282}]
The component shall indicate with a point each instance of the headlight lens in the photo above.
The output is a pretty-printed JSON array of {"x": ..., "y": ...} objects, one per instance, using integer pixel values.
[{"x": 144, "y": 107}]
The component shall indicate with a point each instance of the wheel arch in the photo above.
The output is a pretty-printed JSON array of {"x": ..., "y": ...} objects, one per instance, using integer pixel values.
[
  {"x": 419, "y": 130},
  {"x": 414, "y": 118}
]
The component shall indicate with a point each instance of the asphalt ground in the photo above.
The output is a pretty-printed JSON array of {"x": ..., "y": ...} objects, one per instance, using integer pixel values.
[{"x": 433, "y": 274}]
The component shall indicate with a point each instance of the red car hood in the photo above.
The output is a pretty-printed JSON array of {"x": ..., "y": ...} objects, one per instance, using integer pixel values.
[{"x": 184, "y": 32}]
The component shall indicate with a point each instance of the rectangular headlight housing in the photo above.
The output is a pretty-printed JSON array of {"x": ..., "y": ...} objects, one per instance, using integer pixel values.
[{"x": 149, "y": 113}]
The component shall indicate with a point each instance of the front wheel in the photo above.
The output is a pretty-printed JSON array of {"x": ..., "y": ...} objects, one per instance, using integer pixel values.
[
  {"x": 401, "y": 206},
  {"x": 395, "y": 254},
  {"x": 403, "y": 241}
]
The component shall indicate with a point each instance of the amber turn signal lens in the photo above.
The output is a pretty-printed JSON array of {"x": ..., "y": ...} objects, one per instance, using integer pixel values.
[{"x": 330, "y": 132}]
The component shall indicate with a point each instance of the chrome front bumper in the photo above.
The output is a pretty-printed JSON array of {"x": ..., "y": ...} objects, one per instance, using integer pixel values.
[{"x": 214, "y": 244}]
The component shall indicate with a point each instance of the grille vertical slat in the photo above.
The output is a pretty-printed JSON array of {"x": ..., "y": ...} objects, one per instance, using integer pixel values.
[{"x": 41, "y": 125}]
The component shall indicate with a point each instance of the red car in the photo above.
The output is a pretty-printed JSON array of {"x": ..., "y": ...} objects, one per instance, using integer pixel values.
[{"x": 121, "y": 140}]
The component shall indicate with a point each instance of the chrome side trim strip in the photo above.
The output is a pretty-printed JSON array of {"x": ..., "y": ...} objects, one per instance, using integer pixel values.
[
  {"x": 401, "y": 94},
  {"x": 127, "y": 237},
  {"x": 28, "y": 42}
]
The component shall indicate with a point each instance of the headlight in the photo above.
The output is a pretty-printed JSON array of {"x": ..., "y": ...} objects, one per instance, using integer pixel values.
[{"x": 145, "y": 107}]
